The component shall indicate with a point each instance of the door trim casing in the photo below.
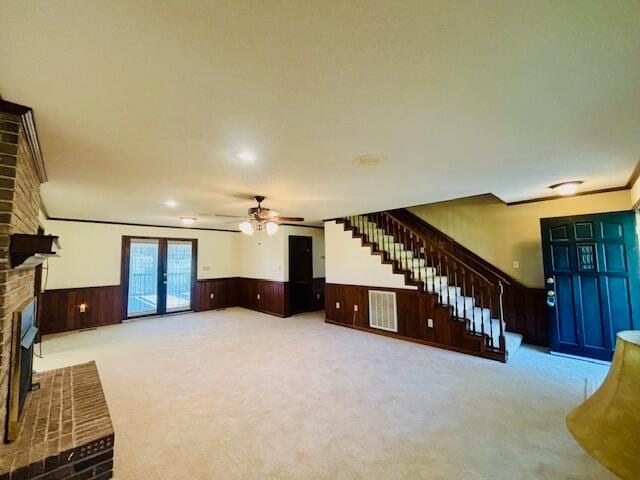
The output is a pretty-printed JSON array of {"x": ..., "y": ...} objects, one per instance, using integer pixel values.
[{"x": 124, "y": 273}]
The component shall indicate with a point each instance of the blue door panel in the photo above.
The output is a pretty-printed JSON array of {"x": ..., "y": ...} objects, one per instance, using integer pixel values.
[
  {"x": 592, "y": 272},
  {"x": 583, "y": 230},
  {"x": 560, "y": 258},
  {"x": 559, "y": 232},
  {"x": 620, "y": 304},
  {"x": 612, "y": 230},
  {"x": 591, "y": 312},
  {"x": 566, "y": 315},
  {"x": 615, "y": 258}
]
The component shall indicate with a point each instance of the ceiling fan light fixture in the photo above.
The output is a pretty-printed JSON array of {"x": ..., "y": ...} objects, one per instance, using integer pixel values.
[
  {"x": 246, "y": 228},
  {"x": 271, "y": 228}
]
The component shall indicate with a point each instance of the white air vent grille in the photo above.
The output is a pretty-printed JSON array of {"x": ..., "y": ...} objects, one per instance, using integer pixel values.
[{"x": 382, "y": 310}]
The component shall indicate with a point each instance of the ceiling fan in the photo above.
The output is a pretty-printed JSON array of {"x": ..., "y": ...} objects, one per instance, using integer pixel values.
[{"x": 261, "y": 219}]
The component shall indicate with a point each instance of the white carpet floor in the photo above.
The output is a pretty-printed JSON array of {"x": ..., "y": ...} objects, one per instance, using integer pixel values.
[{"x": 236, "y": 394}]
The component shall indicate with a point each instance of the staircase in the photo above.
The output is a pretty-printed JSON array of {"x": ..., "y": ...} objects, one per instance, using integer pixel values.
[{"x": 472, "y": 298}]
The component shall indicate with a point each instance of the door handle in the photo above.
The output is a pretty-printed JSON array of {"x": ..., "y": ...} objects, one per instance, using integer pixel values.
[{"x": 551, "y": 298}]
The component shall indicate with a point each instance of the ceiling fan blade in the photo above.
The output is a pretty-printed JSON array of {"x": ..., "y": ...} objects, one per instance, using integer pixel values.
[
  {"x": 229, "y": 216},
  {"x": 289, "y": 219}
]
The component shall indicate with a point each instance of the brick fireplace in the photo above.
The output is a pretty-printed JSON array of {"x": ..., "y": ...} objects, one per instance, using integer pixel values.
[
  {"x": 21, "y": 173},
  {"x": 62, "y": 430},
  {"x": 66, "y": 431}
]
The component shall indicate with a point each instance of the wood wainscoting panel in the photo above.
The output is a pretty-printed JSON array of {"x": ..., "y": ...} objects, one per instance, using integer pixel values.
[
  {"x": 317, "y": 294},
  {"x": 60, "y": 308},
  {"x": 268, "y": 296},
  {"x": 414, "y": 309},
  {"x": 216, "y": 293},
  {"x": 528, "y": 308}
]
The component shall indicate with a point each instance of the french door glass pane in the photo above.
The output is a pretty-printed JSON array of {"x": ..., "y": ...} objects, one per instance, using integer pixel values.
[
  {"x": 178, "y": 275},
  {"x": 143, "y": 277}
]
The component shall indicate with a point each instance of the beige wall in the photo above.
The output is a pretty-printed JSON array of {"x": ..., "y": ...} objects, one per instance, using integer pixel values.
[
  {"x": 349, "y": 263},
  {"x": 267, "y": 257},
  {"x": 91, "y": 252},
  {"x": 262, "y": 256},
  {"x": 503, "y": 234},
  {"x": 635, "y": 194}
]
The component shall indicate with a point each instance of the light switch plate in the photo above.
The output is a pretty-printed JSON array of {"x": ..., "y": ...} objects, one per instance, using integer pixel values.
[
  {"x": 211, "y": 295},
  {"x": 355, "y": 308},
  {"x": 430, "y": 322},
  {"x": 516, "y": 264},
  {"x": 338, "y": 305},
  {"x": 258, "y": 296}
]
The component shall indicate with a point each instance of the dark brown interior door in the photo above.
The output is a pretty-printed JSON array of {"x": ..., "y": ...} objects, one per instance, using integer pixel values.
[{"x": 300, "y": 273}]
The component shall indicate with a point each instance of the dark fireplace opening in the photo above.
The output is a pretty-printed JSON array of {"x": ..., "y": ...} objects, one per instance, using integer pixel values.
[{"x": 21, "y": 367}]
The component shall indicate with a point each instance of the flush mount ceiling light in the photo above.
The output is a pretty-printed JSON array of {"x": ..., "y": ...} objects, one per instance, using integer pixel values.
[
  {"x": 367, "y": 161},
  {"x": 260, "y": 219},
  {"x": 567, "y": 188},
  {"x": 247, "y": 156},
  {"x": 187, "y": 220},
  {"x": 170, "y": 203}
]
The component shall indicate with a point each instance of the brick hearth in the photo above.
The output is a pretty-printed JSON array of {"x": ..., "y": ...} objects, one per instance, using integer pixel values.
[{"x": 65, "y": 431}]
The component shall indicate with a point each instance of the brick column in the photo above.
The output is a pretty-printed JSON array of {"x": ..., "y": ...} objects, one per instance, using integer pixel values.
[{"x": 19, "y": 210}]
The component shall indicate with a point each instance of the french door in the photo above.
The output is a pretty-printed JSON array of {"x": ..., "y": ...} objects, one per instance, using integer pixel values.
[{"x": 158, "y": 275}]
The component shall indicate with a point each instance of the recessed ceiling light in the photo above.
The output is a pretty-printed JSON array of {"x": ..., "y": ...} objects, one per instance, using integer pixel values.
[
  {"x": 187, "y": 220},
  {"x": 567, "y": 188},
  {"x": 367, "y": 161},
  {"x": 171, "y": 203},
  {"x": 247, "y": 156}
]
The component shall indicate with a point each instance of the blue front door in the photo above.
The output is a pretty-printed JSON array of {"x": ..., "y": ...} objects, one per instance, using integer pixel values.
[{"x": 591, "y": 279}]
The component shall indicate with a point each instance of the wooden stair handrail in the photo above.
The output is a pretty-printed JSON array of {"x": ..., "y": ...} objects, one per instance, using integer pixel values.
[
  {"x": 439, "y": 248},
  {"x": 397, "y": 214}
]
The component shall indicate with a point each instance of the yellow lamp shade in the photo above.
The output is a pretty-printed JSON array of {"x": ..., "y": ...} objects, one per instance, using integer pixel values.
[{"x": 607, "y": 424}]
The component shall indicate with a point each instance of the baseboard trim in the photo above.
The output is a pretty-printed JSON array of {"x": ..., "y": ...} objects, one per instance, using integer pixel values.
[
  {"x": 583, "y": 359},
  {"x": 486, "y": 355}
]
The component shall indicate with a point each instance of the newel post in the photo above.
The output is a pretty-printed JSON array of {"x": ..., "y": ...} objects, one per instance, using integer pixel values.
[{"x": 503, "y": 346}]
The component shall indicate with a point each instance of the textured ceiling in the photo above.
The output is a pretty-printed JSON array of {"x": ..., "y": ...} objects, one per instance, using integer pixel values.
[{"x": 138, "y": 102}]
